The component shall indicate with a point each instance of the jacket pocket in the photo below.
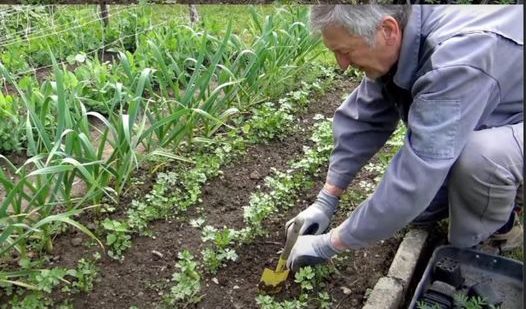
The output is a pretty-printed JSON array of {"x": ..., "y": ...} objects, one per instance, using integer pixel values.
[{"x": 434, "y": 126}]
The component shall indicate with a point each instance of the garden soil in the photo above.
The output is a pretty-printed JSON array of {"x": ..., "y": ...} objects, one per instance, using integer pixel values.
[{"x": 143, "y": 278}]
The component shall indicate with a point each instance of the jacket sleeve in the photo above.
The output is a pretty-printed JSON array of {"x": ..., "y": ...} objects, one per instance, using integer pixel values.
[
  {"x": 447, "y": 105},
  {"x": 361, "y": 126}
]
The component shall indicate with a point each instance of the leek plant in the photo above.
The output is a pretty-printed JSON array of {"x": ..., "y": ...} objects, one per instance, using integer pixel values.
[
  {"x": 26, "y": 210},
  {"x": 203, "y": 102},
  {"x": 44, "y": 182},
  {"x": 221, "y": 77},
  {"x": 65, "y": 153},
  {"x": 283, "y": 45}
]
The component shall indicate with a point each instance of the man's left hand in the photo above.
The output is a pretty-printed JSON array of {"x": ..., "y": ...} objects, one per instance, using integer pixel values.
[{"x": 311, "y": 250}]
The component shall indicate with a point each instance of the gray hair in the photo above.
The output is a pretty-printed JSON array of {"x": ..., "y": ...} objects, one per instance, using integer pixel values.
[{"x": 361, "y": 20}]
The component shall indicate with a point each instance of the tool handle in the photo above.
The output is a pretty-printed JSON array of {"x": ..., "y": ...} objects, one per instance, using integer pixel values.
[{"x": 292, "y": 236}]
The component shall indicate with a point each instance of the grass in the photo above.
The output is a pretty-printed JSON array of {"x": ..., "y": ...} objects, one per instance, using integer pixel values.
[
  {"x": 213, "y": 17},
  {"x": 518, "y": 253}
]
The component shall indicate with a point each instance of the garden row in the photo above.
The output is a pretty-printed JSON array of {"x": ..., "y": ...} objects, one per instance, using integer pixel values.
[
  {"x": 179, "y": 88},
  {"x": 174, "y": 192},
  {"x": 179, "y": 107},
  {"x": 222, "y": 246}
]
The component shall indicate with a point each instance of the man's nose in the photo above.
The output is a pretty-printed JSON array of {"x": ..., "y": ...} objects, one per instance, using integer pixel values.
[{"x": 343, "y": 61}]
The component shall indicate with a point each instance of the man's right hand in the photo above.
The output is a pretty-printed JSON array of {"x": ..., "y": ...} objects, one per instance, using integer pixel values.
[{"x": 317, "y": 217}]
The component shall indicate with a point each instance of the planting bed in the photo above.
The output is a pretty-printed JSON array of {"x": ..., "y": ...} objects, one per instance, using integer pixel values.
[
  {"x": 190, "y": 204},
  {"x": 142, "y": 279},
  {"x": 181, "y": 149}
]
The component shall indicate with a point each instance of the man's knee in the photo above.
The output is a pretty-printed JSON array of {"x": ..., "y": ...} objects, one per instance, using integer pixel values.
[
  {"x": 484, "y": 161},
  {"x": 483, "y": 184}
]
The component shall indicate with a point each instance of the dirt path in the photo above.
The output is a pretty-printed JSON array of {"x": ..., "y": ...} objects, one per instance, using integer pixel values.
[{"x": 142, "y": 278}]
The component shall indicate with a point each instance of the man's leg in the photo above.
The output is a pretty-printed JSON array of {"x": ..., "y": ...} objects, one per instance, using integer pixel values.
[
  {"x": 437, "y": 210},
  {"x": 483, "y": 184}
]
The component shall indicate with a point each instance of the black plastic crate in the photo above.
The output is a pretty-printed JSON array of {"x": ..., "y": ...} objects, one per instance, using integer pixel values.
[{"x": 467, "y": 271}]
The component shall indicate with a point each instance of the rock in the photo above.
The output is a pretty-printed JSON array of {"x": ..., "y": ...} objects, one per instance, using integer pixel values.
[
  {"x": 157, "y": 255},
  {"x": 75, "y": 242},
  {"x": 91, "y": 226},
  {"x": 140, "y": 294},
  {"x": 255, "y": 175},
  {"x": 214, "y": 280},
  {"x": 346, "y": 290},
  {"x": 235, "y": 287}
]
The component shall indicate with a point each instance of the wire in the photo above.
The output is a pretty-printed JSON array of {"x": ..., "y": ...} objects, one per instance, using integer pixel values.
[
  {"x": 17, "y": 40},
  {"x": 162, "y": 23},
  {"x": 17, "y": 11},
  {"x": 91, "y": 52},
  {"x": 42, "y": 29}
]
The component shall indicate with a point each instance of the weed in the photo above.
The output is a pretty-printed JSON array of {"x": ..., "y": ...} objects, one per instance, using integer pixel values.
[
  {"x": 214, "y": 257},
  {"x": 269, "y": 122},
  {"x": 310, "y": 280},
  {"x": 33, "y": 300},
  {"x": 197, "y": 223},
  {"x": 187, "y": 281},
  {"x": 65, "y": 305},
  {"x": 312, "y": 277},
  {"x": 305, "y": 278},
  {"x": 475, "y": 302},
  {"x": 284, "y": 187},
  {"x": 117, "y": 238},
  {"x": 47, "y": 279},
  {"x": 11, "y": 133},
  {"x": 324, "y": 300},
  {"x": 84, "y": 275},
  {"x": 268, "y": 302}
]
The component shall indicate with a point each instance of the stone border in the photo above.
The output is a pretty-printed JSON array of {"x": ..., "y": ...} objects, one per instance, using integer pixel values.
[{"x": 389, "y": 291}]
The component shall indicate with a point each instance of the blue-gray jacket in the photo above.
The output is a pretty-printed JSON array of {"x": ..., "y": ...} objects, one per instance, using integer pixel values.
[{"x": 460, "y": 69}]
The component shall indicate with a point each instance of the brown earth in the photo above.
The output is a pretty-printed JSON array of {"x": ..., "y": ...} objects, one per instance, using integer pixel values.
[{"x": 142, "y": 278}]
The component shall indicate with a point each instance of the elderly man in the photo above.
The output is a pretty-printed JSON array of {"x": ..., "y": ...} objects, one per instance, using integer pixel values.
[{"x": 454, "y": 76}]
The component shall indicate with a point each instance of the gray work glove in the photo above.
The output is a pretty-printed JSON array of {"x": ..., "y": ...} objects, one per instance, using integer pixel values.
[
  {"x": 317, "y": 217},
  {"x": 311, "y": 250}
]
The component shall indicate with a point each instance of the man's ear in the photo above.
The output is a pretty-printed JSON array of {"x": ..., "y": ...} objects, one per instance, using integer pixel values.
[{"x": 390, "y": 30}]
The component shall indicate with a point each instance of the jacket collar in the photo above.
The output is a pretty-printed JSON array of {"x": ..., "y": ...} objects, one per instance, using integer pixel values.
[{"x": 409, "y": 51}]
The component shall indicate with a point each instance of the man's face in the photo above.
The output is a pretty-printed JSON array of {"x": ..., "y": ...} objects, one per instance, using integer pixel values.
[{"x": 352, "y": 50}]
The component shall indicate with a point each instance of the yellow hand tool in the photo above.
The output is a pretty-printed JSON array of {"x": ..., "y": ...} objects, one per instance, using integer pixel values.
[{"x": 272, "y": 280}]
